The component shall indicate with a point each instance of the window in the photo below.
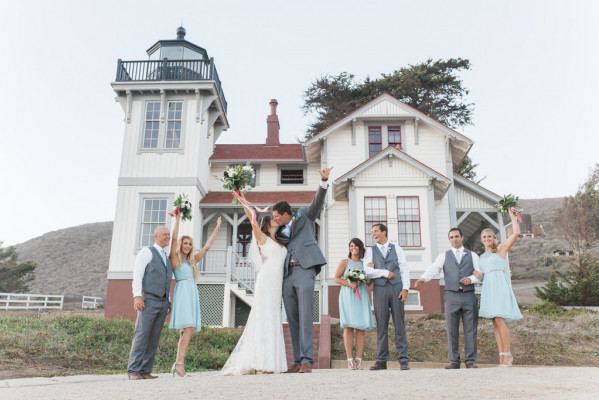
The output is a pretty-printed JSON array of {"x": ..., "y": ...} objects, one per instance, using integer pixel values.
[
  {"x": 244, "y": 238},
  {"x": 153, "y": 216},
  {"x": 394, "y": 133},
  {"x": 375, "y": 140},
  {"x": 291, "y": 176},
  {"x": 413, "y": 302},
  {"x": 408, "y": 221},
  {"x": 375, "y": 212},
  {"x": 152, "y": 125},
  {"x": 173, "y": 125}
]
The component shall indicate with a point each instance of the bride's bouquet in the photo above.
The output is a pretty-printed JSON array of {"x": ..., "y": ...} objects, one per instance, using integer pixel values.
[
  {"x": 357, "y": 276},
  {"x": 183, "y": 205},
  {"x": 239, "y": 178},
  {"x": 508, "y": 203}
]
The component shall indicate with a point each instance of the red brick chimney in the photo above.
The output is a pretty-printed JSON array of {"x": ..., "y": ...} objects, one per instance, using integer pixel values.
[{"x": 272, "y": 125}]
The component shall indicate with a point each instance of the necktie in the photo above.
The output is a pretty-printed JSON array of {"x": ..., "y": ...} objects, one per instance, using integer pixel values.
[
  {"x": 287, "y": 230},
  {"x": 163, "y": 254},
  {"x": 458, "y": 255},
  {"x": 383, "y": 250}
]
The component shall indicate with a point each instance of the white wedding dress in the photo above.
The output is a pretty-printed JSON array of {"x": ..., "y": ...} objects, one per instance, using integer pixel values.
[{"x": 262, "y": 345}]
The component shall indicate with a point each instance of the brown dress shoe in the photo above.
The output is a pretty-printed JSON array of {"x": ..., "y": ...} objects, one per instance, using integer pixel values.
[
  {"x": 133, "y": 376},
  {"x": 295, "y": 368},
  {"x": 378, "y": 366},
  {"x": 305, "y": 368},
  {"x": 452, "y": 366},
  {"x": 471, "y": 365},
  {"x": 404, "y": 366},
  {"x": 148, "y": 376}
]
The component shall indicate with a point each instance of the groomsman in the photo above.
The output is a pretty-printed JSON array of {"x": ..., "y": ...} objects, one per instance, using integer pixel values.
[
  {"x": 390, "y": 294},
  {"x": 152, "y": 276},
  {"x": 457, "y": 265}
]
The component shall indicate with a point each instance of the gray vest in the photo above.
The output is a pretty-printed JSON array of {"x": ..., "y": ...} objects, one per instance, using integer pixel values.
[
  {"x": 157, "y": 278},
  {"x": 390, "y": 263},
  {"x": 454, "y": 272}
]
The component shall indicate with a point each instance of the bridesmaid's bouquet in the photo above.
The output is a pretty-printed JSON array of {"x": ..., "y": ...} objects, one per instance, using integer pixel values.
[
  {"x": 357, "y": 276},
  {"x": 183, "y": 205},
  {"x": 508, "y": 203},
  {"x": 239, "y": 178}
]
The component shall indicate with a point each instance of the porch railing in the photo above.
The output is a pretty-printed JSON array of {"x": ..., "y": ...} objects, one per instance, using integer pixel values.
[
  {"x": 170, "y": 70},
  {"x": 215, "y": 262},
  {"x": 242, "y": 271}
]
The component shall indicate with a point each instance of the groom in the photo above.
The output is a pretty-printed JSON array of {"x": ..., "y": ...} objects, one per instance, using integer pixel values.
[{"x": 304, "y": 259}]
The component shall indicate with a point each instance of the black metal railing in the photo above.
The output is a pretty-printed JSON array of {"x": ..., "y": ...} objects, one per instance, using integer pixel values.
[{"x": 170, "y": 70}]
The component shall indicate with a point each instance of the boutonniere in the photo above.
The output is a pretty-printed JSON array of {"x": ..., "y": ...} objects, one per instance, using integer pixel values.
[{"x": 388, "y": 249}]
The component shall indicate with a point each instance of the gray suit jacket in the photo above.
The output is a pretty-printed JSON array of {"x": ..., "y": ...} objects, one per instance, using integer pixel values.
[{"x": 301, "y": 244}]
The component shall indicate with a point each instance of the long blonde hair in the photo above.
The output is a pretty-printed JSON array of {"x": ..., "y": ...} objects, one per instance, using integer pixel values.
[
  {"x": 494, "y": 247},
  {"x": 190, "y": 257}
]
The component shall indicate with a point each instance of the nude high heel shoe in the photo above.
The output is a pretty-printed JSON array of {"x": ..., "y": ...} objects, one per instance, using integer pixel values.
[
  {"x": 350, "y": 363},
  {"x": 511, "y": 359},
  {"x": 174, "y": 371}
]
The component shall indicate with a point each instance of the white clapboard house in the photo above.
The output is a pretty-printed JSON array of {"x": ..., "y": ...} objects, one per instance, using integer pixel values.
[{"x": 392, "y": 164}]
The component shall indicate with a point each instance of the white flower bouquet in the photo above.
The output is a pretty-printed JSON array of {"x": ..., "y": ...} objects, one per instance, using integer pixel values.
[
  {"x": 358, "y": 277},
  {"x": 239, "y": 178}
]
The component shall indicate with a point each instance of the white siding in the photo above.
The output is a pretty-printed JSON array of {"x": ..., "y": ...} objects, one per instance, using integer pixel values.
[
  {"x": 431, "y": 148},
  {"x": 341, "y": 154},
  {"x": 338, "y": 235},
  {"x": 467, "y": 199},
  {"x": 125, "y": 233},
  {"x": 398, "y": 171},
  {"x": 443, "y": 223},
  {"x": 268, "y": 179}
]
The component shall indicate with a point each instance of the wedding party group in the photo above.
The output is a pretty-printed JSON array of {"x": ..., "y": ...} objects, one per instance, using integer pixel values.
[{"x": 287, "y": 258}]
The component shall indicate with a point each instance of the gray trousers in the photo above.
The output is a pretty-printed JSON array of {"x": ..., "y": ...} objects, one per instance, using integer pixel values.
[
  {"x": 148, "y": 327},
  {"x": 298, "y": 298},
  {"x": 465, "y": 305},
  {"x": 386, "y": 302}
]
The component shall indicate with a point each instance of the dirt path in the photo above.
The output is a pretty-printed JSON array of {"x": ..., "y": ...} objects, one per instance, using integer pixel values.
[{"x": 484, "y": 383}]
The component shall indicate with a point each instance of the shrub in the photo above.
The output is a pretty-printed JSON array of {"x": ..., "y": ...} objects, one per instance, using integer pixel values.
[{"x": 547, "y": 308}]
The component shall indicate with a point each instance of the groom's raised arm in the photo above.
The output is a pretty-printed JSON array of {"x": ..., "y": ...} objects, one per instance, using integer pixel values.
[{"x": 321, "y": 194}]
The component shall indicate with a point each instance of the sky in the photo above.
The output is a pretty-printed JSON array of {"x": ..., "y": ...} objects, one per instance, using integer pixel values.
[{"x": 533, "y": 81}]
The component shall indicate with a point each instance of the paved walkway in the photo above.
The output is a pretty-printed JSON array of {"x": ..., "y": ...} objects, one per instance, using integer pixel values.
[{"x": 426, "y": 383}]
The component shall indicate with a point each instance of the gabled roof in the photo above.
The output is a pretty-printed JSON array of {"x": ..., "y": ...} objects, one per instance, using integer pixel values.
[
  {"x": 476, "y": 188},
  {"x": 440, "y": 182},
  {"x": 257, "y": 152},
  {"x": 409, "y": 112}
]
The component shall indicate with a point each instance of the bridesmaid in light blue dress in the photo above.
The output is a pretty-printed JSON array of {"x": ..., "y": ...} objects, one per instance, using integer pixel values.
[
  {"x": 354, "y": 314},
  {"x": 497, "y": 299},
  {"x": 185, "y": 310}
]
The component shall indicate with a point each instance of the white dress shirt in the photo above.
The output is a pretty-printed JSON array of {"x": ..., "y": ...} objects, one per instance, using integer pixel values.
[
  {"x": 141, "y": 262},
  {"x": 404, "y": 271},
  {"x": 437, "y": 266}
]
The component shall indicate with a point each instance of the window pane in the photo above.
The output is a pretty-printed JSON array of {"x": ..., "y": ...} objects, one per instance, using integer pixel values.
[{"x": 408, "y": 217}]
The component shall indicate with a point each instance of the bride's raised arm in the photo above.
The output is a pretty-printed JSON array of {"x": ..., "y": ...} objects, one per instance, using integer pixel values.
[{"x": 258, "y": 234}]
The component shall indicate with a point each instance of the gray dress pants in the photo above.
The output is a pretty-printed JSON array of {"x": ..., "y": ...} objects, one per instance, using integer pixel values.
[
  {"x": 148, "y": 327},
  {"x": 298, "y": 298},
  {"x": 386, "y": 302},
  {"x": 464, "y": 305}
]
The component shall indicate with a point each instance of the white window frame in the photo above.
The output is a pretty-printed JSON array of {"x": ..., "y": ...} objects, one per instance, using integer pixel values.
[
  {"x": 162, "y": 127},
  {"x": 169, "y": 197},
  {"x": 168, "y": 103},
  {"x": 143, "y": 126},
  {"x": 414, "y": 307},
  {"x": 282, "y": 167}
]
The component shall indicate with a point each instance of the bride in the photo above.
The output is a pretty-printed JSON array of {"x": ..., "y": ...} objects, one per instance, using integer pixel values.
[{"x": 261, "y": 348}]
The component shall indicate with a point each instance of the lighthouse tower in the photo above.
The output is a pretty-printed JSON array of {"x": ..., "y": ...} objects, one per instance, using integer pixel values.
[{"x": 175, "y": 110}]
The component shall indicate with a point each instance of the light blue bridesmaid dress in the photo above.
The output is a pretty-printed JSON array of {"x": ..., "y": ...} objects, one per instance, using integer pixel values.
[
  {"x": 497, "y": 298},
  {"x": 185, "y": 310},
  {"x": 355, "y": 313}
]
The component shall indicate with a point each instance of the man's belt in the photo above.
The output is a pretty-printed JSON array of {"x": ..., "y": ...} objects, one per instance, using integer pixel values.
[{"x": 294, "y": 264}]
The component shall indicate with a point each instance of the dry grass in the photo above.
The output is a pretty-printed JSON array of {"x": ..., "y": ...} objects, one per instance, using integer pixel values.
[{"x": 568, "y": 340}]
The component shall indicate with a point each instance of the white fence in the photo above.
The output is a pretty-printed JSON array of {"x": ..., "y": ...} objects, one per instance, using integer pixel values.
[
  {"x": 19, "y": 301},
  {"x": 92, "y": 302}
]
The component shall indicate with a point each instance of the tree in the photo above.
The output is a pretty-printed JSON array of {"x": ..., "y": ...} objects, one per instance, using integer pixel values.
[
  {"x": 578, "y": 221},
  {"x": 14, "y": 276},
  {"x": 431, "y": 87},
  {"x": 579, "y": 286},
  {"x": 578, "y": 218}
]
